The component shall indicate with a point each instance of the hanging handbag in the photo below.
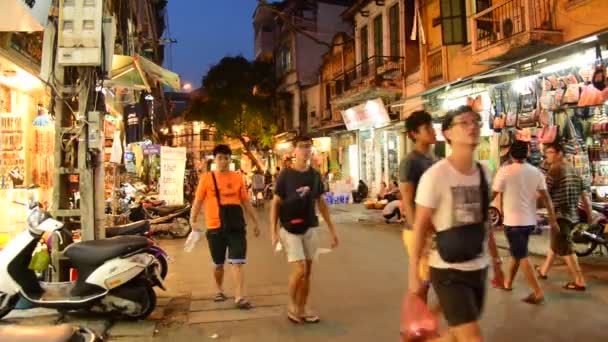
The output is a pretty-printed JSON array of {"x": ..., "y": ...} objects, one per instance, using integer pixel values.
[
  {"x": 527, "y": 119},
  {"x": 231, "y": 215},
  {"x": 511, "y": 120},
  {"x": 572, "y": 94},
  {"x": 465, "y": 243},
  {"x": 527, "y": 100},
  {"x": 523, "y": 134},
  {"x": 547, "y": 134}
]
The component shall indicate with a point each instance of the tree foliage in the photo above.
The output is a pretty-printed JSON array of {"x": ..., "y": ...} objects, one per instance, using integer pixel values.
[{"x": 230, "y": 105}]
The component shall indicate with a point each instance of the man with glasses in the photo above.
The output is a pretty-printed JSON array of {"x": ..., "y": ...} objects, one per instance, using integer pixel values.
[
  {"x": 452, "y": 199},
  {"x": 297, "y": 190}
]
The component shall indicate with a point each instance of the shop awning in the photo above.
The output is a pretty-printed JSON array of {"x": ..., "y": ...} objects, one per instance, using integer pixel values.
[
  {"x": 24, "y": 16},
  {"x": 140, "y": 73}
]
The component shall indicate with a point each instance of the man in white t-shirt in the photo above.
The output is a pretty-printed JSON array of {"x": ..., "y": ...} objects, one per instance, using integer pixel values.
[
  {"x": 520, "y": 183},
  {"x": 453, "y": 196}
]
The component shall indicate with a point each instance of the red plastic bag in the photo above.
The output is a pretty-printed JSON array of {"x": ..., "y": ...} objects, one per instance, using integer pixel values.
[{"x": 417, "y": 322}]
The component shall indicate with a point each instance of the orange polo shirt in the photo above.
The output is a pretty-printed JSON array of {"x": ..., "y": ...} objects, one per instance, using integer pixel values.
[{"x": 232, "y": 191}]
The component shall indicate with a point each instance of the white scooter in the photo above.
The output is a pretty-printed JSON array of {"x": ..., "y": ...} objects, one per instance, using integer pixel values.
[{"x": 115, "y": 275}]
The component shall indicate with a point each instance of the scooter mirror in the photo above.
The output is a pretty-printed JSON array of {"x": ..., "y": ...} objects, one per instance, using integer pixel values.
[{"x": 50, "y": 225}]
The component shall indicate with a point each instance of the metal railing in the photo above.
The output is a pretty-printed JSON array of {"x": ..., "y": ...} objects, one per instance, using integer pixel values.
[
  {"x": 369, "y": 72},
  {"x": 509, "y": 18}
]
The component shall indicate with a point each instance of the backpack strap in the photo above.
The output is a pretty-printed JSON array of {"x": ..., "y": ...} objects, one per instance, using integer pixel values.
[
  {"x": 483, "y": 187},
  {"x": 217, "y": 194}
]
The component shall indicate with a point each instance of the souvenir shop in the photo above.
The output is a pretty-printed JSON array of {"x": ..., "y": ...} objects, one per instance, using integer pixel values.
[
  {"x": 27, "y": 137},
  {"x": 563, "y": 101}
]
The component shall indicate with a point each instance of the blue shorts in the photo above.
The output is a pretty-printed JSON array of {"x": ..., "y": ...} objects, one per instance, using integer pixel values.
[{"x": 518, "y": 237}]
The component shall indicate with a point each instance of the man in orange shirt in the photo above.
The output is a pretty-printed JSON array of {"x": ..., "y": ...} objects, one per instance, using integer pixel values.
[{"x": 221, "y": 238}]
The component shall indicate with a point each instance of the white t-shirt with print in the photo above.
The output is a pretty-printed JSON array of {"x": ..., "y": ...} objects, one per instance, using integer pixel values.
[
  {"x": 519, "y": 184},
  {"x": 456, "y": 198}
]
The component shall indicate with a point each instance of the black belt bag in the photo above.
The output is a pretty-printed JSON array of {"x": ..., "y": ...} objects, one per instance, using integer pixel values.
[
  {"x": 231, "y": 215},
  {"x": 465, "y": 243}
]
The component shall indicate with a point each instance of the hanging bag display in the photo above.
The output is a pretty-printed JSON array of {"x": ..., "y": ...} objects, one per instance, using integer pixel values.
[{"x": 573, "y": 90}]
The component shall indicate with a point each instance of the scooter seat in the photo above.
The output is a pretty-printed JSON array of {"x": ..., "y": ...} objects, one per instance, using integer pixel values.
[
  {"x": 22, "y": 333},
  {"x": 135, "y": 228},
  {"x": 165, "y": 210},
  {"x": 96, "y": 252}
]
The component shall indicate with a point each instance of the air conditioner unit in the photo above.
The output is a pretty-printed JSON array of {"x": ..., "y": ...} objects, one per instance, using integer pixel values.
[{"x": 512, "y": 22}]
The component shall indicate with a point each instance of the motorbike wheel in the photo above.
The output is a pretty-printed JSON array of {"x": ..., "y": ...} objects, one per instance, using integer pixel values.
[
  {"x": 582, "y": 245},
  {"x": 140, "y": 292},
  {"x": 495, "y": 216},
  {"x": 183, "y": 228},
  {"x": 9, "y": 306}
]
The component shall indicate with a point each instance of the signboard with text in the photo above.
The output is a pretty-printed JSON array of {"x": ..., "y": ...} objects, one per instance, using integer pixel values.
[
  {"x": 172, "y": 171},
  {"x": 151, "y": 149},
  {"x": 367, "y": 115}
]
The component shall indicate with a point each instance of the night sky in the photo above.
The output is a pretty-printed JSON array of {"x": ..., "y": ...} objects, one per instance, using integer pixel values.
[{"x": 206, "y": 31}]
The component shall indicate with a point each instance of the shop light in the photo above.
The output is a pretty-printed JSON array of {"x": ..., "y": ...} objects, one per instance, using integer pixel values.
[
  {"x": 19, "y": 79},
  {"x": 521, "y": 85},
  {"x": 589, "y": 39},
  {"x": 283, "y": 146}
]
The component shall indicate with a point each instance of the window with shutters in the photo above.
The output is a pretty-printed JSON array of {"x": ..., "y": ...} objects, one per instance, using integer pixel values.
[
  {"x": 364, "y": 50},
  {"x": 454, "y": 22},
  {"x": 378, "y": 43},
  {"x": 393, "y": 18}
]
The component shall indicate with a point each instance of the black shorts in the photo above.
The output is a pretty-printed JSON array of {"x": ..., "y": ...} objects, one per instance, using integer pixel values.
[
  {"x": 220, "y": 241},
  {"x": 461, "y": 294},
  {"x": 560, "y": 241},
  {"x": 518, "y": 237}
]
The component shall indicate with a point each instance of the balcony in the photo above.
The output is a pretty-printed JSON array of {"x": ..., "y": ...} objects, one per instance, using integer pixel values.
[
  {"x": 512, "y": 29},
  {"x": 378, "y": 76}
]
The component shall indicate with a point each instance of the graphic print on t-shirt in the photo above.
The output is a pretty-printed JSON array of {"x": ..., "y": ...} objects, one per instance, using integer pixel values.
[{"x": 466, "y": 205}]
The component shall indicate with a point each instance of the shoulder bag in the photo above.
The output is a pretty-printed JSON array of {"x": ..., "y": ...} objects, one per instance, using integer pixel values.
[
  {"x": 465, "y": 243},
  {"x": 231, "y": 215}
]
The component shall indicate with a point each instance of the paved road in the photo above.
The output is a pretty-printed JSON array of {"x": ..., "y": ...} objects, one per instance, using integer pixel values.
[{"x": 357, "y": 291}]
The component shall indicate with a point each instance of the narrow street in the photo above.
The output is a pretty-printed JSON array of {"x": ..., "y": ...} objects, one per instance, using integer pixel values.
[{"x": 357, "y": 291}]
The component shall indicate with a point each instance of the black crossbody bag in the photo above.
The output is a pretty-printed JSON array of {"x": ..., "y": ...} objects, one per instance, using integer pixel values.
[
  {"x": 465, "y": 243},
  {"x": 231, "y": 215}
]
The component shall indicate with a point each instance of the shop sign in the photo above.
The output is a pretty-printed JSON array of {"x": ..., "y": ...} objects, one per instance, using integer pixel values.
[
  {"x": 172, "y": 172},
  {"x": 366, "y": 115},
  {"x": 28, "y": 45},
  {"x": 151, "y": 149}
]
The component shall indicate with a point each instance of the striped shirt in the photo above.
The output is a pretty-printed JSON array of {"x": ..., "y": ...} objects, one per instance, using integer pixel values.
[{"x": 565, "y": 187}]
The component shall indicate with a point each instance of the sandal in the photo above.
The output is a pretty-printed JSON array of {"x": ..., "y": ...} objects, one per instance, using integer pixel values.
[
  {"x": 293, "y": 318},
  {"x": 243, "y": 304},
  {"x": 539, "y": 273},
  {"x": 311, "y": 319},
  {"x": 499, "y": 286},
  {"x": 574, "y": 287},
  {"x": 532, "y": 299},
  {"x": 220, "y": 297}
]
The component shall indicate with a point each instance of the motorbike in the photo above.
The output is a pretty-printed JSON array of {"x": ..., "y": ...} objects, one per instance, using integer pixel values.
[
  {"x": 586, "y": 238},
  {"x": 172, "y": 221},
  {"x": 57, "y": 333},
  {"x": 115, "y": 276},
  {"x": 142, "y": 228}
]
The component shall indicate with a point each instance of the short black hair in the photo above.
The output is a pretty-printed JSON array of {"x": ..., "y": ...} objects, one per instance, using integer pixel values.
[
  {"x": 222, "y": 149},
  {"x": 416, "y": 120},
  {"x": 556, "y": 146},
  {"x": 519, "y": 150},
  {"x": 300, "y": 138},
  {"x": 451, "y": 115}
]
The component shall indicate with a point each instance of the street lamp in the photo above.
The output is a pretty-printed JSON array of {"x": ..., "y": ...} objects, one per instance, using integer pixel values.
[{"x": 187, "y": 87}]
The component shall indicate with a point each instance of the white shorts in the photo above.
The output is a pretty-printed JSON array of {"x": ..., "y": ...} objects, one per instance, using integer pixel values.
[{"x": 300, "y": 247}]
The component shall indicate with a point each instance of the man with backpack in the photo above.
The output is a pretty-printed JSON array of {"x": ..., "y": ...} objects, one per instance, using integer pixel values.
[{"x": 297, "y": 190}]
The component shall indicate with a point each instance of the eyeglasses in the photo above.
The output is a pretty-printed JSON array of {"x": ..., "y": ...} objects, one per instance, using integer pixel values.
[{"x": 468, "y": 123}]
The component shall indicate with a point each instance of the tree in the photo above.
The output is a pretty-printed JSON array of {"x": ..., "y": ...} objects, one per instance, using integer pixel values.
[{"x": 238, "y": 102}]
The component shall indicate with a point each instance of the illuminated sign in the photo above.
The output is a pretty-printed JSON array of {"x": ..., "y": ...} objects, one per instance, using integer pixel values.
[{"x": 366, "y": 115}]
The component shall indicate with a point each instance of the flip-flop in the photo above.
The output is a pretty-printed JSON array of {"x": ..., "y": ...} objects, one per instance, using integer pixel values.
[
  {"x": 293, "y": 318},
  {"x": 220, "y": 297},
  {"x": 539, "y": 274},
  {"x": 311, "y": 319},
  {"x": 531, "y": 299},
  {"x": 574, "y": 287},
  {"x": 243, "y": 304},
  {"x": 496, "y": 285}
]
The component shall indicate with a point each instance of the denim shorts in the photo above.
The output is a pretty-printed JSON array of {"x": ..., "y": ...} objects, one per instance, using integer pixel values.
[{"x": 518, "y": 237}]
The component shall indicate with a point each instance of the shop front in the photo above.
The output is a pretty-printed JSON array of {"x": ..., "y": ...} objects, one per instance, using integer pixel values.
[
  {"x": 378, "y": 144},
  {"x": 27, "y": 133}
]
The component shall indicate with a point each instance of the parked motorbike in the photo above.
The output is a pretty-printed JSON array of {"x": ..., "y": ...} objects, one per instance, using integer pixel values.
[
  {"x": 142, "y": 228},
  {"x": 173, "y": 221},
  {"x": 57, "y": 333},
  {"x": 115, "y": 275},
  {"x": 587, "y": 237}
]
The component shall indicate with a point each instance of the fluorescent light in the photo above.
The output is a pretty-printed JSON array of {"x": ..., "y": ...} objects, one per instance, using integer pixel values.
[{"x": 589, "y": 39}]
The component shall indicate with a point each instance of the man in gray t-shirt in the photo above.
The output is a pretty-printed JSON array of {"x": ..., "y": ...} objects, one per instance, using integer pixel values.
[{"x": 420, "y": 129}]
